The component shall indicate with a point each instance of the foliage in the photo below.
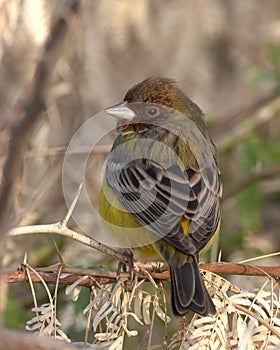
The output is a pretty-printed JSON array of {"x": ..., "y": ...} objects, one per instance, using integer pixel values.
[{"x": 116, "y": 312}]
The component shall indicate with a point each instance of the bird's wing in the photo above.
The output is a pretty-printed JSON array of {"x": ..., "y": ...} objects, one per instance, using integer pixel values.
[{"x": 160, "y": 197}]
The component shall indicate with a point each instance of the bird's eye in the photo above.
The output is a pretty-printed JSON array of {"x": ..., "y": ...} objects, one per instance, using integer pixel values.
[{"x": 152, "y": 112}]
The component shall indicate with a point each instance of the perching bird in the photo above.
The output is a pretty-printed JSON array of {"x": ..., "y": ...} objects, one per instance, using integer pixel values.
[{"x": 161, "y": 190}]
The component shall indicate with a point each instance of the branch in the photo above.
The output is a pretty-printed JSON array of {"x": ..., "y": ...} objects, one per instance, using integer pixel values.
[
  {"x": 255, "y": 176},
  {"x": 227, "y": 123},
  {"x": 224, "y": 268},
  {"x": 50, "y": 274},
  {"x": 33, "y": 103},
  {"x": 14, "y": 340},
  {"x": 60, "y": 228}
]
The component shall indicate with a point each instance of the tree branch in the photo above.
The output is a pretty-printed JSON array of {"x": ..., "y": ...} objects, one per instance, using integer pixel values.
[
  {"x": 60, "y": 228},
  {"x": 14, "y": 340},
  {"x": 33, "y": 103},
  {"x": 71, "y": 275},
  {"x": 227, "y": 123},
  {"x": 255, "y": 176}
]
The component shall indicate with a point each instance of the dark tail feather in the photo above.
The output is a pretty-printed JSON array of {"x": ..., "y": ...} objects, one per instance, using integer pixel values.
[{"x": 188, "y": 291}]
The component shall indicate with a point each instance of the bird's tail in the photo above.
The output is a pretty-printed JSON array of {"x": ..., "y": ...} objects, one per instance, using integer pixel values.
[{"x": 188, "y": 291}]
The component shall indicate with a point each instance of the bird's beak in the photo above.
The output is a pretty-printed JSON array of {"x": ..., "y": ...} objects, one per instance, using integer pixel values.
[{"x": 120, "y": 111}]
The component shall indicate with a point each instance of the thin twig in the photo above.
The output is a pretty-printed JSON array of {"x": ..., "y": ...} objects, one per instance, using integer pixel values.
[
  {"x": 89, "y": 316},
  {"x": 228, "y": 122},
  {"x": 255, "y": 176},
  {"x": 72, "y": 206},
  {"x": 60, "y": 229},
  {"x": 61, "y": 150},
  {"x": 258, "y": 318},
  {"x": 55, "y": 299},
  {"x": 31, "y": 287},
  {"x": 45, "y": 285},
  {"x": 261, "y": 257},
  {"x": 239, "y": 132},
  {"x": 152, "y": 323}
]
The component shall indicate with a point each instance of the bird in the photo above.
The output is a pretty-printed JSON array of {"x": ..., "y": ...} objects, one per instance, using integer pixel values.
[{"x": 161, "y": 191}]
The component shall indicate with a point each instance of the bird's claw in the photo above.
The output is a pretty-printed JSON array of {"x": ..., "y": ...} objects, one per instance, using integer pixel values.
[{"x": 122, "y": 267}]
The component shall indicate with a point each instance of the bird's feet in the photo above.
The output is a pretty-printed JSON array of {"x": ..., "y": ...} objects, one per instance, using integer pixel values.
[
  {"x": 122, "y": 267},
  {"x": 137, "y": 268}
]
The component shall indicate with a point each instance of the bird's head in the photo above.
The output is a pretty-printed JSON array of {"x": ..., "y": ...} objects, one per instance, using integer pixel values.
[{"x": 152, "y": 100}]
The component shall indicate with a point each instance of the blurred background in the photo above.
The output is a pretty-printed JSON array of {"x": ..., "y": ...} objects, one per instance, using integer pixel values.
[{"x": 226, "y": 57}]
